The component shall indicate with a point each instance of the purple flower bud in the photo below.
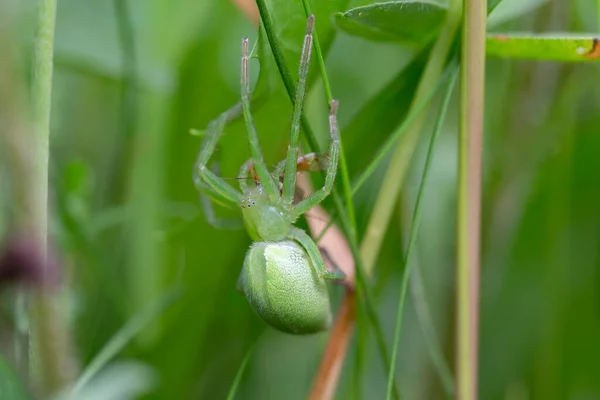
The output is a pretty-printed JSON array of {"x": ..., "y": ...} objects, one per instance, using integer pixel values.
[{"x": 21, "y": 262}]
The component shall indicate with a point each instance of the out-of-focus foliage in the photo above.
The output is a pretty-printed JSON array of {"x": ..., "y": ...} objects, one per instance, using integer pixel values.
[
  {"x": 126, "y": 216},
  {"x": 409, "y": 22}
]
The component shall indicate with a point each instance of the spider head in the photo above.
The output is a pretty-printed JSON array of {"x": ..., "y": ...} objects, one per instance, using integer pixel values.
[{"x": 264, "y": 221}]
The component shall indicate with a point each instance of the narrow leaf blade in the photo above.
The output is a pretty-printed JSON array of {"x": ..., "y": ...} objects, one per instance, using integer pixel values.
[{"x": 544, "y": 47}]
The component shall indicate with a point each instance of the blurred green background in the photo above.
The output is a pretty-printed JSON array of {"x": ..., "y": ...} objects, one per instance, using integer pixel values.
[{"x": 126, "y": 217}]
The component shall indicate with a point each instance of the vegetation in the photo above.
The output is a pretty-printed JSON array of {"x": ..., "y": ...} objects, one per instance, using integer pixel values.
[{"x": 465, "y": 212}]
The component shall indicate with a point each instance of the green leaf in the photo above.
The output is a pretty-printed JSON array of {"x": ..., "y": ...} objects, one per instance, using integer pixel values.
[
  {"x": 120, "y": 380},
  {"x": 122, "y": 338},
  {"x": 408, "y": 22},
  {"x": 385, "y": 111},
  {"x": 492, "y": 4},
  {"x": 416, "y": 23},
  {"x": 441, "y": 365},
  {"x": 240, "y": 372},
  {"x": 10, "y": 386},
  {"x": 544, "y": 47},
  {"x": 509, "y": 10}
]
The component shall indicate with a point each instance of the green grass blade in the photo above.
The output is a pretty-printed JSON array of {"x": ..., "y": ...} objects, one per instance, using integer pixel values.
[
  {"x": 551, "y": 47},
  {"x": 429, "y": 335},
  {"x": 348, "y": 225},
  {"x": 11, "y": 388},
  {"x": 124, "y": 336},
  {"x": 240, "y": 372},
  {"x": 415, "y": 226},
  {"x": 364, "y": 294},
  {"x": 393, "y": 139}
]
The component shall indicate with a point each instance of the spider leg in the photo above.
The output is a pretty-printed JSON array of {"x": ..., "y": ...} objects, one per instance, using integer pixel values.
[
  {"x": 213, "y": 219},
  {"x": 203, "y": 174},
  {"x": 314, "y": 254},
  {"x": 326, "y": 256},
  {"x": 266, "y": 180},
  {"x": 289, "y": 180},
  {"x": 334, "y": 149},
  {"x": 243, "y": 176},
  {"x": 207, "y": 197},
  {"x": 311, "y": 162}
]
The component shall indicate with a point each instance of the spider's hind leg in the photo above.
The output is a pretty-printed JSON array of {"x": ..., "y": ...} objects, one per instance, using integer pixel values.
[
  {"x": 314, "y": 254},
  {"x": 337, "y": 273}
]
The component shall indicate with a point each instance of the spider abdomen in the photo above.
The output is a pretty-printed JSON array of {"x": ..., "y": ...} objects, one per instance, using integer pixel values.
[{"x": 284, "y": 289}]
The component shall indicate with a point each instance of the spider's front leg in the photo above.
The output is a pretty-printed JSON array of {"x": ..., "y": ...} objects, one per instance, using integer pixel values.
[
  {"x": 266, "y": 180},
  {"x": 334, "y": 154},
  {"x": 314, "y": 254},
  {"x": 203, "y": 176}
]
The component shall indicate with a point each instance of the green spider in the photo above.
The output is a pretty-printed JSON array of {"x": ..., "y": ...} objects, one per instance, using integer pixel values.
[{"x": 283, "y": 277}]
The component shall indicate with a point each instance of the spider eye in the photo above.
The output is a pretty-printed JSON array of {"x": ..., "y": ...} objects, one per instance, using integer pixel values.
[{"x": 247, "y": 202}]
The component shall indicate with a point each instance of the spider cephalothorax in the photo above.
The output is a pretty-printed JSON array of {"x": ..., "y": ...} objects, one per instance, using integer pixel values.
[
  {"x": 284, "y": 274},
  {"x": 263, "y": 220}
]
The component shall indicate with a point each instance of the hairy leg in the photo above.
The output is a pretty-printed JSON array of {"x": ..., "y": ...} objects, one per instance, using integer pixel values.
[
  {"x": 289, "y": 180},
  {"x": 314, "y": 254},
  {"x": 334, "y": 149}
]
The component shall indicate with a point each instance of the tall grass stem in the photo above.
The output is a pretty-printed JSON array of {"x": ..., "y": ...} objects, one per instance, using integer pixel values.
[
  {"x": 49, "y": 331},
  {"x": 469, "y": 196}
]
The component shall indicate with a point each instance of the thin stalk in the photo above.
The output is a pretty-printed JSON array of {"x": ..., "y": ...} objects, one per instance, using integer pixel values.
[
  {"x": 327, "y": 375},
  {"x": 350, "y": 225},
  {"x": 386, "y": 148},
  {"x": 469, "y": 196},
  {"x": 364, "y": 290},
  {"x": 238, "y": 376},
  {"x": 350, "y": 228},
  {"x": 415, "y": 228},
  {"x": 128, "y": 107},
  {"x": 49, "y": 331},
  {"x": 394, "y": 177},
  {"x": 124, "y": 336},
  {"x": 41, "y": 96},
  {"x": 403, "y": 129}
]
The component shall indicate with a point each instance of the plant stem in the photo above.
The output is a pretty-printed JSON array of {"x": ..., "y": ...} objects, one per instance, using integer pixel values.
[
  {"x": 329, "y": 370},
  {"x": 41, "y": 95},
  {"x": 348, "y": 223},
  {"x": 48, "y": 337},
  {"x": 469, "y": 196},
  {"x": 326, "y": 378},
  {"x": 415, "y": 228},
  {"x": 345, "y": 321},
  {"x": 128, "y": 107},
  {"x": 124, "y": 336},
  {"x": 364, "y": 291},
  {"x": 598, "y": 15},
  {"x": 394, "y": 177}
]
